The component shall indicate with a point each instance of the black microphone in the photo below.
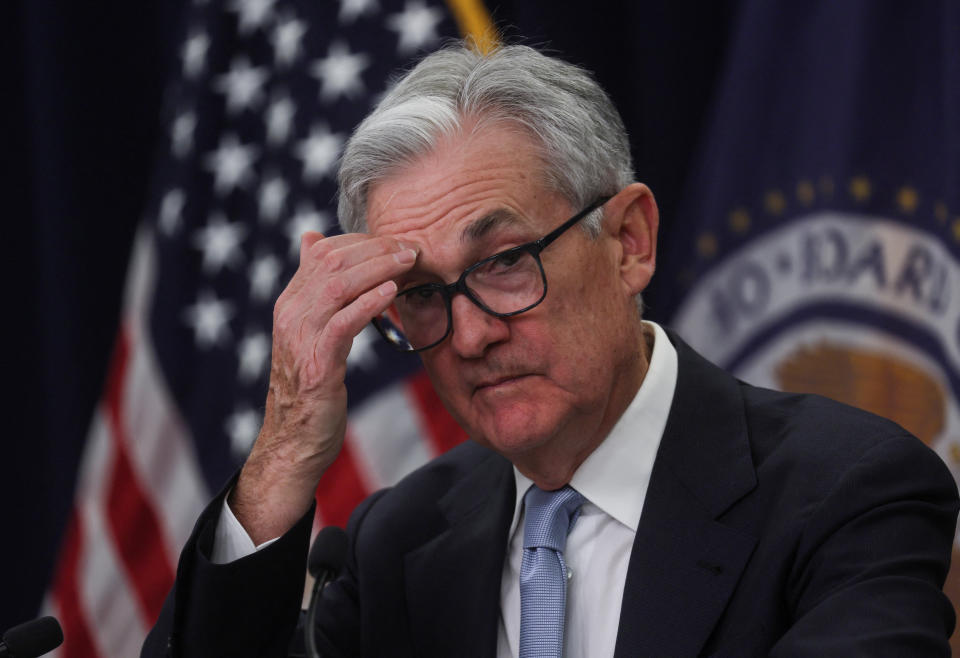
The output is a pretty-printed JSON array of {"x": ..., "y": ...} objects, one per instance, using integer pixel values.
[
  {"x": 32, "y": 638},
  {"x": 324, "y": 563}
]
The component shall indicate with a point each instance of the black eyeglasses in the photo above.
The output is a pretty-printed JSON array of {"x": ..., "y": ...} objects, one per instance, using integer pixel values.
[{"x": 503, "y": 285}]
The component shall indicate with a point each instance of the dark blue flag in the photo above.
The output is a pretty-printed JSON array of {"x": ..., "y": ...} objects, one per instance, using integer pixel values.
[{"x": 824, "y": 213}]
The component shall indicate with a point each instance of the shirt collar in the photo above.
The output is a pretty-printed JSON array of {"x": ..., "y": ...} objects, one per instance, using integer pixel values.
[{"x": 616, "y": 475}]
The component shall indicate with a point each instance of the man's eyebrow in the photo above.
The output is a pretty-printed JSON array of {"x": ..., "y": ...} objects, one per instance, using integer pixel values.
[{"x": 478, "y": 228}]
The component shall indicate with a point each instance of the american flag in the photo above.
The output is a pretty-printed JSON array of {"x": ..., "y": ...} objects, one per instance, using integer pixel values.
[{"x": 263, "y": 98}]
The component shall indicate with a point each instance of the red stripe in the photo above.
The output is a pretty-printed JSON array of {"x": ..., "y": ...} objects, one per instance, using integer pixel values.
[
  {"x": 77, "y": 642},
  {"x": 443, "y": 431},
  {"x": 134, "y": 525},
  {"x": 340, "y": 488}
]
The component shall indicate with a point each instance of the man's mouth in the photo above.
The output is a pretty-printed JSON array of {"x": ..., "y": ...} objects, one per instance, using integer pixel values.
[{"x": 501, "y": 382}]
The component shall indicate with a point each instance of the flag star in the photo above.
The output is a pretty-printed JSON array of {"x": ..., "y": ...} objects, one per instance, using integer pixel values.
[
  {"x": 279, "y": 119},
  {"x": 231, "y": 164},
  {"x": 273, "y": 196},
  {"x": 307, "y": 218},
  {"x": 254, "y": 356},
  {"x": 362, "y": 353},
  {"x": 253, "y": 14},
  {"x": 194, "y": 54},
  {"x": 242, "y": 426},
  {"x": 351, "y": 9},
  {"x": 319, "y": 152},
  {"x": 286, "y": 39},
  {"x": 264, "y": 273},
  {"x": 242, "y": 85},
  {"x": 171, "y": 211},
  {"x": 181, "y": 133},
  {"x": 416, "y": 25},
  {"x": 209, "y": 318},
  {"x": 220, "y": 242},
  {"x": 340, "y": 72}
]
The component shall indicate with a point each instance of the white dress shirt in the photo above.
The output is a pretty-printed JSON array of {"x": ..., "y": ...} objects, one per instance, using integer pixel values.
[{"x": 613, "y": 479}]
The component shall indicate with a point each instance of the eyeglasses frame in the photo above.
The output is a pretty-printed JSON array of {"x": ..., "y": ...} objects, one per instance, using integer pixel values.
[{"x": 449, "y": 290}]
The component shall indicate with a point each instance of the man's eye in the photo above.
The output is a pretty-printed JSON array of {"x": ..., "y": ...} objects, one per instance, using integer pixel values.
[
  {"x": 508, "y": 259},
  {"x": 419, "y": 297}
]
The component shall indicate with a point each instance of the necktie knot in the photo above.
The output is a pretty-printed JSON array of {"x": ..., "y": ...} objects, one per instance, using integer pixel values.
[{"x": 549, "y": 516}]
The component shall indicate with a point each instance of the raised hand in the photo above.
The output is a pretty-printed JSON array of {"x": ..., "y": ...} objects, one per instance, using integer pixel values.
[{"x": 340, "y": 285}]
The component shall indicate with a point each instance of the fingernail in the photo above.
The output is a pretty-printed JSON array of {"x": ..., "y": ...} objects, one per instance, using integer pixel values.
[
  {"x": 406, "y": 256},
  {"x": 387, "y": 288}
]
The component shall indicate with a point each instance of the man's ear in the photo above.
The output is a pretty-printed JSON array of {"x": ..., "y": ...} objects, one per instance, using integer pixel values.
[{"x": 633, "y": 222}]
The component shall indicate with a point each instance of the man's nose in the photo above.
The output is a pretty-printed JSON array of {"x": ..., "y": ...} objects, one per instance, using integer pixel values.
[{"x": 474, "y": 329}]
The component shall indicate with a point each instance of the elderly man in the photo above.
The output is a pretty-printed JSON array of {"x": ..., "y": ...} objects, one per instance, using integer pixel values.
[{"x": 619, "y": 496}]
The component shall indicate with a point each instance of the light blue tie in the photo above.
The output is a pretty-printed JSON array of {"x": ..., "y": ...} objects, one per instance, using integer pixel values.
[{"x": 549, "y": 515}]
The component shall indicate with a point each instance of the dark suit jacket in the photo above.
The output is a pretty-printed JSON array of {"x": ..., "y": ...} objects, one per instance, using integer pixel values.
[{"x": 774, "y": 524}]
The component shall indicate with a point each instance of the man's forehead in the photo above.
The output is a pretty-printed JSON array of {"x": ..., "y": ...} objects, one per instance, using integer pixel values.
[{"x": 466, "y": 189}]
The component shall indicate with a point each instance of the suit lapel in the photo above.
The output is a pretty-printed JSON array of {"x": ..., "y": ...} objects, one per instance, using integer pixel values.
[
  {"x": 685, "y": 563},
  {"x": 453, "y": 580}
]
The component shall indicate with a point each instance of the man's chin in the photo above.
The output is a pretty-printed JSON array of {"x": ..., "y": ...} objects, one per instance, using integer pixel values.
[{"x": 514, "y": 433}]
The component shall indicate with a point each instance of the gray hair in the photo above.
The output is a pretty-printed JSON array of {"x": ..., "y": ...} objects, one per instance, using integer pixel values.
[{"x": 583, "y": 143}]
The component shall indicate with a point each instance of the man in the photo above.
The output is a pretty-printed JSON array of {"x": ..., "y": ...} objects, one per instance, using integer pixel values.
[{"x": 494, "y": 227}]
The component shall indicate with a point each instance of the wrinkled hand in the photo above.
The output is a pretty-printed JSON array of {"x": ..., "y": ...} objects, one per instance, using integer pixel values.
[{"x": 340, "y": 285}]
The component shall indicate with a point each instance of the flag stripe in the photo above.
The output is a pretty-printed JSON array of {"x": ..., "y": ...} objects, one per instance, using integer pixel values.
[
  {"x": 162, "y": 454},
  {"x": 133, "y": 522},
  {"x": 70, "y": 613},
  {"x": 442, "y": 431},
  {"x": 340, "y": 489},
  {"x": 109, "y": 611},
  {"x": 106, "y": 591},
  {"x": 383, "y": 463}
]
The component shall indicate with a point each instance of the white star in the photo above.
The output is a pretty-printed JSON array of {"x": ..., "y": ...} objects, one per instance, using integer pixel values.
[
  {"x": 181, "y": 133},
  {"x": 350, "y": 9},
  {"x": 194, "y": 54},
  {"x": 264, "y": 272},
  {"x": 242, "y": 84},
  {"x": 307, "y": 218},
  {"x": 362, "y": 353},
  {"x": 220, "y": 243},
  {"x": 254, "y": 355},
  {"x": 286, "y": 38},
  {"x": 417, "y": 26},
  {"x": 273, "y": 196},
  {"x": 280, "y": 119},
  {"x": 319, "y": 152},
  {"x": 242, "y": 426},
  {"x": 171, "y": 211},
  {"x": 210, "y": 319},
  {"x": 253, "y": 14},
  {"x": 340, "y": 72},
  {"x": 231, "y": 164}
]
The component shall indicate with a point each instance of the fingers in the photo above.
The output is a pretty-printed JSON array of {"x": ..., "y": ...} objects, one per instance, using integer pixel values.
[
  {"x": 341, "y": 284},
  {"x": 308, "y": 239},
  {"x": 332, "y": 275},
  {"x": 323, "y": 257},
  {"x": 338, "y": 334}
]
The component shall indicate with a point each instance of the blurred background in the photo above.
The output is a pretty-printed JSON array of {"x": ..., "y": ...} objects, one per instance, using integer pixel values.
[{"x": 163, "y": 159}]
